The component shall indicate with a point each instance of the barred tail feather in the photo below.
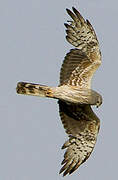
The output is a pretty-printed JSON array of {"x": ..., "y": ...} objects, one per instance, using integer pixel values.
[{"x": 33, "y": 89}]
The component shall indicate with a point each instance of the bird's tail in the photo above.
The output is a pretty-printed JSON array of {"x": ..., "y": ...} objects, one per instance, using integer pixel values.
[{"x": 34, "y": 89}]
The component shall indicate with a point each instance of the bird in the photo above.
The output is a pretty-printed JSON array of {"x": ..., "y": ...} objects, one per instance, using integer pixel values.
[{"x": 74, "y": 94}]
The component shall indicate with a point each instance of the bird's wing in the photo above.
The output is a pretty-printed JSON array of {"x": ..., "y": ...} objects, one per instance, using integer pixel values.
[
  {"x": 80, "y": 63},
  {"x": 82, "y": 126}
]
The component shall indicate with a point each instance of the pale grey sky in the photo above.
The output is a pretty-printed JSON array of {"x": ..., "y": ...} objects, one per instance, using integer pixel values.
[{"x": 32, "y": 48}]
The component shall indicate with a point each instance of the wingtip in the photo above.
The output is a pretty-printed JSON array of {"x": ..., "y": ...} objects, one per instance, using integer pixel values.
[
  {"x": 61, "y": 170},
  {"x": 74, "y": 9},
  {"x": 68, "y": 10},
  {"x": 66, "y": 25},
  {"x": 64, "y": 173}
]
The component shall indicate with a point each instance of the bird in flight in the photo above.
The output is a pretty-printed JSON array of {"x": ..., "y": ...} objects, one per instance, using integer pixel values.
[{"x": 74, "y": 93}]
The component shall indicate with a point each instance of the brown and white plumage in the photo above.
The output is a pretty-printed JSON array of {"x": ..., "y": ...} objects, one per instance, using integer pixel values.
[
  {"x": 82, "y": 126},
  {"x": 80, "y": 63},
  {"x": 74, "y": 92},
  {"x": 78, "y": 68}
]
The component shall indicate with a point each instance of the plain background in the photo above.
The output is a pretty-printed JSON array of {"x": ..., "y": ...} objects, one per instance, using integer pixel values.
[{"x": 32, "y": 48}]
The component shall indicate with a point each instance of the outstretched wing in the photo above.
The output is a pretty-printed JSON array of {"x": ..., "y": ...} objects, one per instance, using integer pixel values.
[
  {"x": 80, "y": 63},
  {"x": 82, "y": 126}
]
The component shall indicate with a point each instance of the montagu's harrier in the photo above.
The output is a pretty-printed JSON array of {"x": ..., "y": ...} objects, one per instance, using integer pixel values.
[{"x": 74, "y": 92}]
